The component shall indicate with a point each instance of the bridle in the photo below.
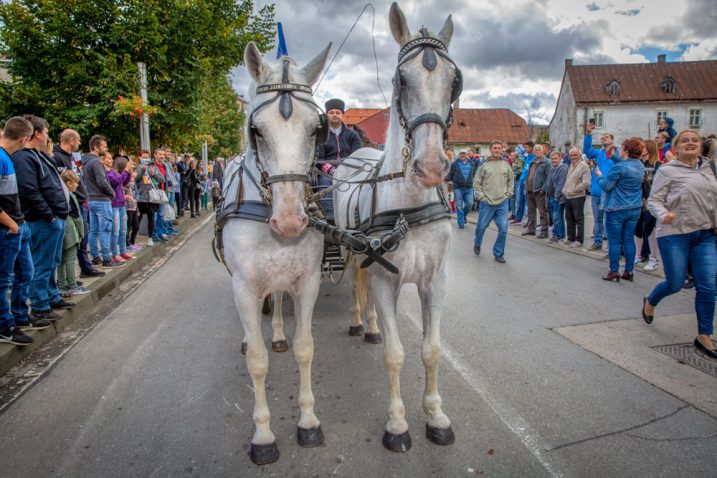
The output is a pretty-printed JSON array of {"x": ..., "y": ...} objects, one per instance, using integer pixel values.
[
  {"x": 284, "y": 92},
  {"x": 430, "y": 46}
]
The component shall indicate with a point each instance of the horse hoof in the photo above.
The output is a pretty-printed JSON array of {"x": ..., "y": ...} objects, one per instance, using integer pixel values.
[
  {"x": 398, "y": 443},
  {"x": 243, "y": 348},
  {"x": 372, "y": 338},
  {"x": 266, "y": 306},
  {"x": 309, "y": 437},
  {"x": 264, "y": 454},
  {"x": 355, "y": 330},
  {"x": 280, "y": 346},
  {"x": 440, "y": 436}
]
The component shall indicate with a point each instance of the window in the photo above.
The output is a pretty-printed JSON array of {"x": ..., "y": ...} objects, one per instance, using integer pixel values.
[
  {"x": 695, "y": 117},
  {"x": 599, "y": 117},
  {"x": 660, "y": 115},
  {"x": 668, "y": 85},
  {"x": 613, "y": 88}
]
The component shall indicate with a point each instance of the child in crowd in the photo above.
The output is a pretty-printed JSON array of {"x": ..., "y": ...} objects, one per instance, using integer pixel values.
[
  {"x": 130, "y": 200},
  {"x": 74, "y": 230}
]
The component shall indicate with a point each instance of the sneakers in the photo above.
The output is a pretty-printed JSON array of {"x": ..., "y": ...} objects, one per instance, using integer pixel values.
[
  {"x": 150, "y": 242},
  {"x": 133, "y": 247},
  {"x": 33, "y": 324},
  {"x": 554, "y": 239},
  {"x": 64, "y": 292},
  {"x": 96, "y": 261},
  {"x": 476, "y": 250},
  {"x": 92, "y": 273},
  {"x": 14, "y": 336},
  {"x": 110, "y": 264},
  {"x": 461, "y": 226},
  {"x": 595, "y": 247},
  {"x": 575, "y": 244},
  {"x": 79, "y": 290},
  {"x": 48, "y": 315},
  {"x": 542, "y": 235},
  {"x": 651, "y": 265},
  {"x": 563, "y": 241},
  {"x": 515, "y": 222},
  {"x": 117, "y": 259},
  {"x": 62, "y": 304},
  {"x": 126, "y": 257}
]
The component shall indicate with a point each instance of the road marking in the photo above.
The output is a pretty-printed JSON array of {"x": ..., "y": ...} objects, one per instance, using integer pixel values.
[{"x": 520, "y": 428}]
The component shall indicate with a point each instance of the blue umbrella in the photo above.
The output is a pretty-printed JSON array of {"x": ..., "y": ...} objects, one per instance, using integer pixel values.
[{"x": 281, "y": 49}]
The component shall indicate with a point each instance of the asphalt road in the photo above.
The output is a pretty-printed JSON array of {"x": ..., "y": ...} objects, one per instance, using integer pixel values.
[{"x": 159, "y": 388}]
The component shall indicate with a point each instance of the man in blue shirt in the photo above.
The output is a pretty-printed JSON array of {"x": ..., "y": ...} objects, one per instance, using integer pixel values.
[
  {"x": 521, "y": 196},
  {"x": 16, "y": 268},
  {"x": 604, "y": 159},
  {"x": 461, "y": 177}
]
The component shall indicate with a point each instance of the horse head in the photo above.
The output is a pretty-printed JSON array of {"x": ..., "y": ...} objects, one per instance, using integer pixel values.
[
  {"x": 284, "y": 127},
  {"x": 426, "y": 84}
]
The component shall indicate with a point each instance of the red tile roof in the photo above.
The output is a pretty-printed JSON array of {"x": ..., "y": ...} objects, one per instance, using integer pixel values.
[
  {"x": 354, "y": 116},
  {"x": 470, "y": 126},
  {"x": 694, "y": 80},
  {"x": 487, "y": 124}
]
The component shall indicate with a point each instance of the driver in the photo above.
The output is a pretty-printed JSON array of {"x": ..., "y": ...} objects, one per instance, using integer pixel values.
[{"x": 343, "y": 141}]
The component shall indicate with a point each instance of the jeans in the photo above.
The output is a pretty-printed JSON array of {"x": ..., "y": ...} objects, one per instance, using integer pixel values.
[
  {"x": 83, "y": 257},
  {"x": 698, "y": 250},
  {"x": 520, "y": 198},
  {"x": 159, "y": 222},
  {"x": 16, "y": 270},
  {"x": 487, "y": 213},
  {"x": 558, "y": 217},
  {"x": 620, "y": 231},
  {"x": 512, "y": 199},
  {"x": 598, "y": 216},
  {"x": 118, "y": 242},
  {"x": 464, "y": 203},
  {"x": 101, "y": 219},
  {"x": 46, "y": 247}
]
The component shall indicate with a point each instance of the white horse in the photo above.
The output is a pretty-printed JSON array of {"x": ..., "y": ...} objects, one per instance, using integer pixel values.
[
  {"x": 282, "y": 255},
  {"x": 408, "y": 181}
]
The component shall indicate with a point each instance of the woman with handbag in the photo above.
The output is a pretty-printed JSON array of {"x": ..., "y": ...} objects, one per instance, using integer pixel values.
[
  {"x": 148, "y": 201},
  {"x": 684, "y": 201},
  {"x": 119, "y": 177}
]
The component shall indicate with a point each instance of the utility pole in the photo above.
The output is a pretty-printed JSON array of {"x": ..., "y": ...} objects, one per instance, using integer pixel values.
[
  {"x": 144, "y": 121},
  {"x": 205, "y": 157}
]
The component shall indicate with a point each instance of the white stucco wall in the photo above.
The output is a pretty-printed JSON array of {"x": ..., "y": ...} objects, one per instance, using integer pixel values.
[{"x": 562, "y": 126}]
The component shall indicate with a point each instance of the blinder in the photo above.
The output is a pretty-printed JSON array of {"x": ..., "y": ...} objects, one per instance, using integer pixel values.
[
  {"x": 284, "y": 93},
  {"x": 422, "y": 44}
]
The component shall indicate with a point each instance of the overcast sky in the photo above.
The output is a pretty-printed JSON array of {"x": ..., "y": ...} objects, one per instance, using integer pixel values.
[{"x": 510, "y": 51}]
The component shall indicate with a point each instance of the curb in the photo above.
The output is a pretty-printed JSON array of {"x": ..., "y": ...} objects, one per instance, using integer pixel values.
[{"x": 11, "y": 354}]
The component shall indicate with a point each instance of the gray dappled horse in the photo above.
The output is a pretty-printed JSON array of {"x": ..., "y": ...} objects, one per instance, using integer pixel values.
[{"x": 407, "y": 179}]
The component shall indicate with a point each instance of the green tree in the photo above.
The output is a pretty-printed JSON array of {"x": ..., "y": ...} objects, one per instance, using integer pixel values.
[{"x": 72, "y": 58}]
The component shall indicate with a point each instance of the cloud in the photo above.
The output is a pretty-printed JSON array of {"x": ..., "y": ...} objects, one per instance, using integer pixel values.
[
  {"x": 592, "y": 7},
  {"x": 629, "y": 13}
]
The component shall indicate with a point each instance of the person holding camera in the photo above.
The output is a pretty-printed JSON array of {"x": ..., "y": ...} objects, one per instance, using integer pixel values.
[
  {"x": 603, "y": 159},
  {"x": 147, "y": 178}
]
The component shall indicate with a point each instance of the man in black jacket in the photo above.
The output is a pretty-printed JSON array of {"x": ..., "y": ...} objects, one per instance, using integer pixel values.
[
  {"x": 343, "y": 141},
  {"x": 461, "y": 176},
  {"x": 45, "y": 204},
  {"x": 70, "y": 143},
  {"x": 537, "y": 175}
]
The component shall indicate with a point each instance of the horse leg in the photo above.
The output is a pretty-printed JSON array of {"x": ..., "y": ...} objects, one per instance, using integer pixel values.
[
  {"x": 373, "y": 336},
  {"x": 358, "y": 280},
  {"x": 309, "y": 432},
  {"x": 385, "y": 294},
  {"x": 438, "y": 426},
  {"x": 263, "y": 444},
  {"x": 278, "y": 339}
]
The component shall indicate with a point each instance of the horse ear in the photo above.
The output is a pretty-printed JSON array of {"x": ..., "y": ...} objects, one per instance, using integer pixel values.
[
  {"x": 258, "y": 69},
  {"x": 312, "y": 69},
  {"x": 447, "y": 31},
  {"x": 399, "y": 26}
]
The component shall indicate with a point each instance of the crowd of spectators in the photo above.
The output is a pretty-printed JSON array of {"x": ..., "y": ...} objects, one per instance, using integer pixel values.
[
  {"x": 62, "y": 211},
  {"x": 654, "y": 201}
]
